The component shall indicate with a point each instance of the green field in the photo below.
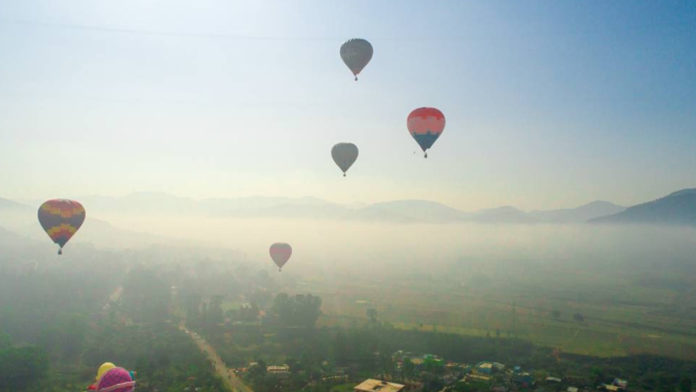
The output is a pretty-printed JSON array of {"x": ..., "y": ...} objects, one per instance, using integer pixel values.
[{"x": 621, "y": 315}]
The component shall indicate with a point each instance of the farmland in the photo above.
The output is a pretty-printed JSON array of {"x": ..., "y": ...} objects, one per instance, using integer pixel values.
[{"x": 621, "y": 311}]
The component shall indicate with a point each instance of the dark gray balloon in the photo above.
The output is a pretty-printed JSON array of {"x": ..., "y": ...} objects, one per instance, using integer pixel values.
[
  {"x": 356, "y": 53},
  {"x": 344, "y": 154}
]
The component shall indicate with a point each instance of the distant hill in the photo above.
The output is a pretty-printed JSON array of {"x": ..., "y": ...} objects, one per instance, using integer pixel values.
[
  {"x": 397, "y": 211},
  {"x": 20, "y": 224},
  {"x": 410, "y": 211},
  {"x": 277, "y": 207},
  {"x": 12, "y": 243},
  {"x": 678, "y": 208},
  {"x": 505, "y": 214},
  {"x": 9, "y": 205},
  {"x": 152, "y": 203},
  {"x": 141, "y": 203},
  {"x": 157, "y": 203},
  {"x": 6, "y": 236},
  {"x": 580, "y": 214},
  {"x": 105, "y": 235}
]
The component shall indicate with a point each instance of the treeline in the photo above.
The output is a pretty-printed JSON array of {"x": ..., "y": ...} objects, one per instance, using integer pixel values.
[
  {"x": 366, "y": 351},
  {"x": 61, "y": 319},
  {"x": 21, "y": 368},
  {"x": 286, "y": 334},
  {"x": 163, "y": 356}
]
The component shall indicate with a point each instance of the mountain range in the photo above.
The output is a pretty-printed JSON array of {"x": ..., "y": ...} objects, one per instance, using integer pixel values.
[
  {"x": 675, "y": 208},
  {"x": 678, "y": 208},
  {"x": 400, "y": 211},
  {"x": 18, "y": 219}
]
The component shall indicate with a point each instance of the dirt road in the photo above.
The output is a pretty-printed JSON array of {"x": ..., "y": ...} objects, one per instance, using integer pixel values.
[{"x": 232, "y": 382}]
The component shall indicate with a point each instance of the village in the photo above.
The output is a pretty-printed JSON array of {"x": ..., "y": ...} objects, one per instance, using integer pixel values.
[{"x": 429, "y": 372}]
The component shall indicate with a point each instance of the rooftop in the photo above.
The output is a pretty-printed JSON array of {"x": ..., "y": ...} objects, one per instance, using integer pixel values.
[
  {"x": 278, "y": 369},
  {"x": 373, "y": 385}
]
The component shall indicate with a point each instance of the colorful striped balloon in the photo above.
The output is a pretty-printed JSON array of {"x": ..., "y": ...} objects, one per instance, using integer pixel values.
[
  {"x": 426, "y": 125},
  {"x": 61, "y": 218}
]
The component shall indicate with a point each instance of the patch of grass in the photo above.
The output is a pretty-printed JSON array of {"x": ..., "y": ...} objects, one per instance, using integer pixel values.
[{"x": 347, "y": 387}]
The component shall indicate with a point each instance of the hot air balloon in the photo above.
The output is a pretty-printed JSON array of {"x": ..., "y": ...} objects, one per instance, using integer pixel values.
[
  {"x": 426, "y": 125},
  {"x": 61, "y": 218},
  {"x": 280, "y": 253},
  {"x": 105, "y": 367},
  {"x": 356, "y": 53},
  {"x": 344, "y": 154},
  {"x": 116, "y": 380}
]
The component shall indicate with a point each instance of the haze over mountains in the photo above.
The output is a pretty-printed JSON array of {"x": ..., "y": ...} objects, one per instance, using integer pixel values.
[
  {"x": 312, "y": 208},
  {"x": 326, "y": 234},
  {"x": 677, "y": 208}
]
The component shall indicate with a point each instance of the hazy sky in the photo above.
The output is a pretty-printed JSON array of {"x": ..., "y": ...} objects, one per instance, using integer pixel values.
[{"x": 548, "y": 104}]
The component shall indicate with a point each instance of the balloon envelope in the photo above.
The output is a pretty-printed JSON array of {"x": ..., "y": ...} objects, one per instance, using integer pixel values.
[
  {"x": 425, "y": 125},
  {"x": 280, "y": 253},
  {"x": 344, "y": 154},
  {"x": 61, "y": 218},
  {"x": 116, "y": 380},
  {"x": 356, "y": 53},
  {"x": 105, "y": 367}
]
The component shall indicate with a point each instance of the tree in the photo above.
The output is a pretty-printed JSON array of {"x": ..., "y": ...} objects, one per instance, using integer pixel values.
[
  {"x": 65, "y": 335},
  {"x": 578, "y": 317},
  {"x": 146, "y": 296},
  {"x": 21, "y": 368},
  {"x": 432, "y": 382},
  {"x": 192, "y": 305},
  {"x": 408, "y": 368},
  {"x": 5, "y": 341},
  {"x": 340, "y": 348},
  {"x": 249, "y": 312},
  {"x": 685, "y": 384},
  {"x": 215, "y": 315},
  {"x": 297, "y": 311},
  {"x": 308, "y": 310},
  {"x": 372, "y": 315},
  {"x": 258, "y": 371}
]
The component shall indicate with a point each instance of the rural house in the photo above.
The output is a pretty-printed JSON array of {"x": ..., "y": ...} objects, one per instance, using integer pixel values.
[{"x": 374, "y": 385}]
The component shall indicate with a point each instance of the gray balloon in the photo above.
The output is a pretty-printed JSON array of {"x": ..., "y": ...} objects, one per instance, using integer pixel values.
[
  {"x": 356, "y": 53},
  {"x": 344, "y": 154}
]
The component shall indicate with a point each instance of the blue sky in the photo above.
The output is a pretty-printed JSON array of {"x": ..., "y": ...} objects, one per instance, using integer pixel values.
[{"x": 548, "y": 104}]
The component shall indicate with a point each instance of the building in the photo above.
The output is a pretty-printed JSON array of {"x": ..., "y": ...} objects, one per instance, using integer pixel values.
[
  {"x": 374, "y": 385},
  {"x": 523, "y": 379},
  {"x": 484, "y": 367},
  {"x": 622, "y": 384},
  {"x": 432, "y": 360},
  {"x": 477, "y": 377},
  {"x": 609, "y": 388},
  {"x": 282, "y": 369},
  {"x": 417, "y": 361}
]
